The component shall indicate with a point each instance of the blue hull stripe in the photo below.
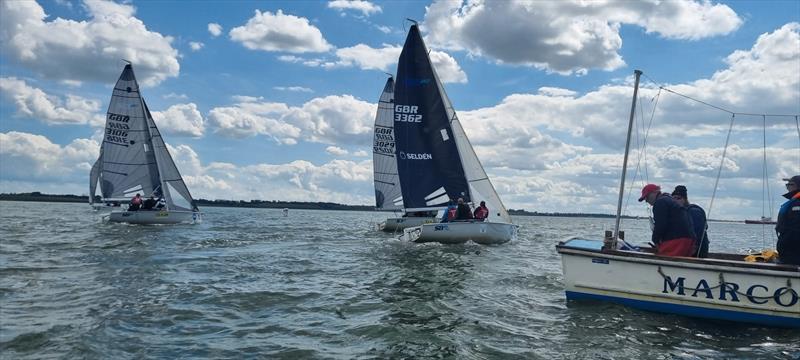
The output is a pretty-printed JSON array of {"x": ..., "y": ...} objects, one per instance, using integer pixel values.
[{"x": 693, "y": 311}]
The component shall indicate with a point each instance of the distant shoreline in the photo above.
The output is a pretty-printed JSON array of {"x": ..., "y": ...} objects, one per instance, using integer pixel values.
[{"x": 298, "y": 205}]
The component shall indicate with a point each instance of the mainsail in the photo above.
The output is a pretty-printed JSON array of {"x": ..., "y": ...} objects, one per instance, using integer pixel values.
[
  {"x": 133, "y": 157},
  {"x": 434, "y": 155},
  {"x": 428, "y": 162},
  {"x": 387, "y": 182}
]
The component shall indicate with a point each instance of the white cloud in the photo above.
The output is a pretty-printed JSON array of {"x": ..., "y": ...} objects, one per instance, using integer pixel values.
[
  {"x": 35, "y": 103},
  {"x": 361, "y": 153},
  {"x": 88, "y": 50},
  {"x": 335, "y": 150},
  {"x": 195, "y": 46},
  {"x": 215, "y": 29},
  {"x": 567, "y": 36},
  {"x": 337, "y": 181},
  {"x": 330, "y": 120},
  {"x": 365, "y": 7},
  {"x": 383, "y": 29},
  {"x": 180, "y": 120},
  {"x": 175, "y": 96},
  {"x": 384, "y": 59},
  {"x": 25, "y": 156},
  {"x": 280, "y": 32},
  {"x": 293, "y": 89}
]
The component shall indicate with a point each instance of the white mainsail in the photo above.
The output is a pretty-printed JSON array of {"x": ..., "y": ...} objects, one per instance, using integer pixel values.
[{"x": 387, "y": 182}]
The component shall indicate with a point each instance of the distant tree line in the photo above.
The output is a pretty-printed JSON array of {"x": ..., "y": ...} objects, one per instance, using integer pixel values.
[
  {"x": 38, "y": 196},
  {"x": 536, "y": 213}
]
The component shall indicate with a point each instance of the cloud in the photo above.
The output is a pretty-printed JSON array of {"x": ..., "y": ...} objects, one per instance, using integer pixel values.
[
  {"x": 215, "y": 29},
  {"x": 335, "y": 150},
  {"x": 337, "y": 181},
  {"x": 50, "y": 109},
  {"x": 25, "y": 156},
  {"x": 175, "y": 96},
  {"x": 335, "y": 119},
  {"x": 566, "y": 36},
  {"x": 383, "y": 59},
  {"x": 361, "y": 153},
  {"x": 88, "y": 50},
  {"x": 279, "y": 32},
  {"x": 195, "y": 46},
  {"x": 293, "y": 89},
  {"x": 180, "y": 120},
  {"x": 365, "y": 7}
]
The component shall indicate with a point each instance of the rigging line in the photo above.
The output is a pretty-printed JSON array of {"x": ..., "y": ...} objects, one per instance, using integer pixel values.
[
  {"x": 723, "y": 109},
  {"x": 714, "y": 106},
  {"x": 721, "y": 163},
  {"x": 797, "y": 124}
]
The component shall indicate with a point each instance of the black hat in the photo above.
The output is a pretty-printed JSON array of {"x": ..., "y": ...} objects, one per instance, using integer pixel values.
[
  {"x": 680, "y": 190},
  {"x": 794, "y": 179}
]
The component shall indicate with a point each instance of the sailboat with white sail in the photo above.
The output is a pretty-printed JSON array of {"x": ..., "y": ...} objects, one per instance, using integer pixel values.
[
  {"x": 388, "y": 196},
  {"x": 436, "y": 163},
  {"x": 134, "y": 160},
  {"x": 721, "y": 286}
]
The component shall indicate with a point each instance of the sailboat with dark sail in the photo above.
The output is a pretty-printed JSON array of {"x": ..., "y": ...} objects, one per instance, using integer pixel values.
[
  {"x": 436, "y": 163},
  {"x": 388, "y": 196},
  {"x": 134, "y": 160}
]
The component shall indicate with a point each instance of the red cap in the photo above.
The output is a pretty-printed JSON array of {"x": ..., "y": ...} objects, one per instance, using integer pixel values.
[{"x": 647, "y": 189}]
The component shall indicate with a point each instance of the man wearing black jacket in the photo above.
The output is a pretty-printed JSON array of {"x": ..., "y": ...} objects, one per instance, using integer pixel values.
[{"x": 672, "y": 234}]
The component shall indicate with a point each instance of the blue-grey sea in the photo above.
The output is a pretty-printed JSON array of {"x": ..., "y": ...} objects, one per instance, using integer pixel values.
[{"x": 251, "y": 283}]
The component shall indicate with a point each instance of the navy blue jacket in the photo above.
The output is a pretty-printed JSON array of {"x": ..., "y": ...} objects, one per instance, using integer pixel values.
[
  {"x": 698, "y": 216},
  {"x": 788, "y": 229},
  {"x": 671, "y": 220}
]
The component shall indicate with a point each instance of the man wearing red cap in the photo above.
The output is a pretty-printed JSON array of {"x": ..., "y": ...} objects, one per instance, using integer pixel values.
[
  {"x": 672, "y": 233},
  {"x": 788, "y": 227}
]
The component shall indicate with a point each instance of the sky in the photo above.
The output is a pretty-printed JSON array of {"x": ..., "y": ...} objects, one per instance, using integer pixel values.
[{"x": 276, "y": 100}]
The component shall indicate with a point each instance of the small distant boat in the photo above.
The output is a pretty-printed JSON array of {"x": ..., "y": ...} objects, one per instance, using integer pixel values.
[
  {"x": 134, "y": 160},
  {"x": 435, "y": 161},
  {"x": 388, "y": 196},
  {"x": 765, "y": 220}
]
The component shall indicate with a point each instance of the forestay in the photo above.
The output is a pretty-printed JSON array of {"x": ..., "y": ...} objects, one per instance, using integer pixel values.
[
  {"x": 387, "y": 182},
  {"x": 428, "y": 161}
]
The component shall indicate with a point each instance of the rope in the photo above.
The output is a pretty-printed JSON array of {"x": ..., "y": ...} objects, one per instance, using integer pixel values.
[
  {"x": 721, "y": 163},
  {"x": 722, "y": 283},
  {"x": 723, "y": 109}
]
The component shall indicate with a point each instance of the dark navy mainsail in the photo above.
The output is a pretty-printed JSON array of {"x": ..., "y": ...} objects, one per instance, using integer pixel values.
[{"x": 428, "y": 162}]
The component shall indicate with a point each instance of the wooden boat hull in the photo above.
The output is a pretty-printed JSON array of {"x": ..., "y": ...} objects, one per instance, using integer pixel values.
[
  {"x": 398, "y": 224},
  {"x": 486, "y": 233},
  {"x": 724, "y": 289},
  {"x": 147, "y": 217}
]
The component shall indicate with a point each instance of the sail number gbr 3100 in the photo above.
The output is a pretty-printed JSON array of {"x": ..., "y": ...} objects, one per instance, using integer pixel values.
[{"x": 407, "y": 113}]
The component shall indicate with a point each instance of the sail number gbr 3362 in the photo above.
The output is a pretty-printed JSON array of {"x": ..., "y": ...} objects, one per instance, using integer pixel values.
[{"x": 407, "y": 113}]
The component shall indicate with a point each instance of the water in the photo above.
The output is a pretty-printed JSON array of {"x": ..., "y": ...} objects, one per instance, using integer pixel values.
[{"x": 320, "y": 284}]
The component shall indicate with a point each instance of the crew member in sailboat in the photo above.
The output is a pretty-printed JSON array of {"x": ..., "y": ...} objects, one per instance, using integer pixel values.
[
  {"x": 672, "y": 234},
  {"x": 788, "y": 226},
  {"x": 136, "y": 203},
  {"x": 481, "y": 212},
  {"x": 463, "y": 212},
  {"x": 698, "y": 217}
]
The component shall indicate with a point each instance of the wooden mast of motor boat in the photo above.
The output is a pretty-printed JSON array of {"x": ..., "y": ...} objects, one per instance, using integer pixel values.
[{"x": 637, "y": 74}]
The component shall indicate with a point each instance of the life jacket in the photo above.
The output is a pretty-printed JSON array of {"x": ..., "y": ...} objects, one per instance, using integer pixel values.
[
  {"x": 481, "y": 213},
  {"x": 136, "y": 200},
  {"x": 764, "y": 256},
  {"x": 451, "y": 213}
]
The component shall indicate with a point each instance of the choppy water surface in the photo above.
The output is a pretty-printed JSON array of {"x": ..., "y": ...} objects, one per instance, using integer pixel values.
[{"x": 252, "y": 283}]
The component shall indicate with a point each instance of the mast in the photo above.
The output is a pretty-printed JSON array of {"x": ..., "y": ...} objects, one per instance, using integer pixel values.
[{"x": 637, "y": 74}]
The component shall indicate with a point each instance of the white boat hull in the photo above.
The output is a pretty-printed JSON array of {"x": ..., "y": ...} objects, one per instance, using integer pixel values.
[
  {"x": 485, "y": 233},
  {"x": 398, "y": 224},
  {"x": 153, "y": 217},
  {"x": 726, "y": 289}
]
